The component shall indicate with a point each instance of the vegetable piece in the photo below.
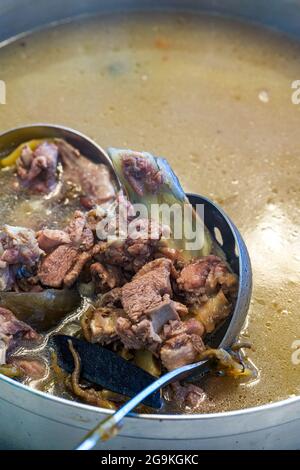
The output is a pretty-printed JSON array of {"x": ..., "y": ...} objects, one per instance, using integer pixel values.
[
  {"x": 11, "y": 371},
  {"x": 41, "y": 310},
  {"x": 150, "y": 181},
  {"x": 89, "y": 395},
  {"x": 226, "y": 363},
  {"x": 11, "y": 159},
  {"x": 145, "y": 360}
]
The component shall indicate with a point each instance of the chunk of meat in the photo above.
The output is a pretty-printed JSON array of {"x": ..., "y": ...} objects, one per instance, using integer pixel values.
[
  {"x": 49, "y": 239},
  {"x": 106, "y": 277},
  {"x": 99, "y": 325},
  {"x": 19, "y": 246},
  {"x": 213, "y": 311},
  {"x": 37, "y": 169},
  {"x": 183, "y": 343},
  {"x": 192, "y": 326},
  {"x": 32, "y": 368},
  {"x": 12, "y": 331},
  {"x": 148, "y": 306},
  {"x": 187, "y": 396},
  {"x": 141, "y": 174},
  {"x": 111, "y": 298},
  {"x": 138, "y": 248},
  {"x": 80, "y": 261},
  {"x": 80, "y": 234},
  {"x": 93, "y": 180},
  {"x": 180, "y": 350},
  {"x": 72, "y": 250},
  {"x": 139, "y": 336},
  {"x": 19, "y": 255},
  {"x": 56, "y": 265},
  {"x": 209, "y": 288},
  {"x": 147, "y": 289},
  {"x": 204, "y": 277}
]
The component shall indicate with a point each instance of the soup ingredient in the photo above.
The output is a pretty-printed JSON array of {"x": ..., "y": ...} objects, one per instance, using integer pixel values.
[
  {"x": 131, "y": 248},
  {"x": 209, "y": 288},
  {"x": 11, "y": 159},
  {"x": 106, "y": 277},
  {"x": 37, "y": 169},
  {"x": 147, "y": 361},
  {"x": 104, "y": 368},
  {"x": 92, "y": 180},
  {"x": 41, "y": 309},
  {"x": 185, "y": 396},
  {"x": 10, "y": 370},
  {"x": 205, "y": 276},
  {"x": 227, "y": 363},
  {"x": 150, "y": 181},
  {"x": 72, "y": 249},
  {"x": 89, "y": 395},
  {"x": 99, "y": 324},
  {"x": 183, "y": 343},
  {"x": 12, "y": 333},
  {"x": 30, "y": 367},
  {"x": 147, "y": 303},
  {"x": 19, "y": 252}
]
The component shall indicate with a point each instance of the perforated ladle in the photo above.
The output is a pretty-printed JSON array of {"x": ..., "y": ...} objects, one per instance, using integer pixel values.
[{"x": 229, "y": 239}]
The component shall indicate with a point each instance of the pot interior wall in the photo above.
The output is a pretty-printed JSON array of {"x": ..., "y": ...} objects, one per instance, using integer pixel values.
[{"x": 18, "y": 16}]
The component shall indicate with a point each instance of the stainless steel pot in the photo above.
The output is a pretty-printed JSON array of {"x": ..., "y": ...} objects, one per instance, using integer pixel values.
[{"x": 33, "y": 420}]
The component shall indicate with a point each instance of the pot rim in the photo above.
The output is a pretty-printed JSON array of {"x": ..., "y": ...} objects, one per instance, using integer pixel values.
[{"x": 151, "y": 416}]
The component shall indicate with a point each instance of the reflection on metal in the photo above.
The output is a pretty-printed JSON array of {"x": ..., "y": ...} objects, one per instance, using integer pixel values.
[{"x": 2, "y": 92}]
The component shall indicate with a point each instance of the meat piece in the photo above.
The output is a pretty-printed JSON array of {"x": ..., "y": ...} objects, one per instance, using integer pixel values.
[
  {"x": 204, "y": 277},
  {"x": 192, "y": 326},
  {"x": 81, "y": 260},
  {"x": 209, "y": 288},
  {"x": 182, "y": 344},
  {"x": 147, "y": 289},
  {"x": 7, "y": 277},
  {"x": 141, "y": 174},
  {"x": 111, "y": 298},
  {"x": 80, "y": 234},
  {"x": 12, "y": 331},
  {"x": 49, "y": 239},
  {"x": 147, "y": 303},
  {"x": 213, "y": 311},
  {"x": 133, "y": 339},
  {"x": 19, "y": 255},
  {"x": 55, "y": 266},
  {"x": 32, "y": 368},
  {"x": 180, "y": 350},
  {"x": 19, "y": 246},
  {"x": 186, "y": 396},
  {"x": 133, "y": 252},
  {"x": 37, "y": 169},
  {"x": 93, "y": 180},
  {"x": 106, "y": 277},
  {"x": 99, "y": 325},
  {"x": 72, "y": 250}
]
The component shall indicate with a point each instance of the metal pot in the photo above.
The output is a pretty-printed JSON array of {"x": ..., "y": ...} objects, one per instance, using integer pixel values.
[{"x": 34, "y": 420}]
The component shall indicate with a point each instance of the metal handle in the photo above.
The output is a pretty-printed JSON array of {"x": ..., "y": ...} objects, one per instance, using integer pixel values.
[{"x": 110, "y": 426}]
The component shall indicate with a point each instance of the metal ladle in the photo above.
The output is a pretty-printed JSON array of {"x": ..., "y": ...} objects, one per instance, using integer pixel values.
[{"x": 222, "y": 230}]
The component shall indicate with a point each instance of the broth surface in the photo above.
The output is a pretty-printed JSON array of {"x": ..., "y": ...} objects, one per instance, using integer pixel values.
[{"x": 214, "y": 97}]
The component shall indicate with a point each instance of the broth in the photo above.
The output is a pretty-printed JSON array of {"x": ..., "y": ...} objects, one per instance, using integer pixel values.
[{"x": 214, "y": 97}]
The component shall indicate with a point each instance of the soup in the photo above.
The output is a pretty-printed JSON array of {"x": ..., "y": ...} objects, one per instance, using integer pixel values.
[{"x": 214, "y": 97}]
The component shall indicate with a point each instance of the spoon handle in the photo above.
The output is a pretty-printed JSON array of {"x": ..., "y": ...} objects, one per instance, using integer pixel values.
[{"x": 110, "y": 426}]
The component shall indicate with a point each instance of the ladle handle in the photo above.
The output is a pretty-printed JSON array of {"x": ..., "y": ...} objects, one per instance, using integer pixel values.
[{"x": 110, "y": 426}]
